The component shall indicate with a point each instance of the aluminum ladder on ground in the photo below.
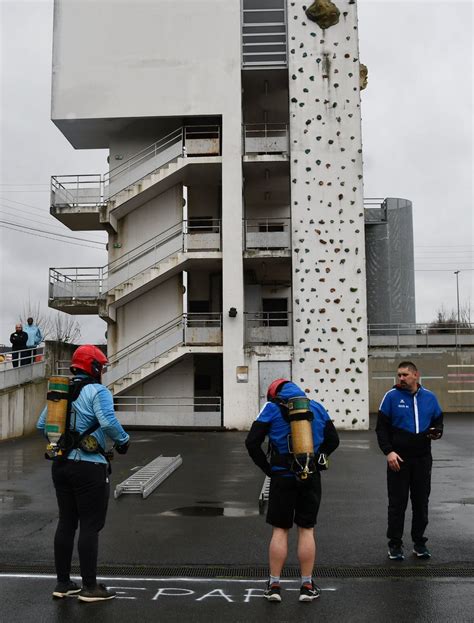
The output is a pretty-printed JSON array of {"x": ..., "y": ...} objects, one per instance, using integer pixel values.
[
  {"x": 146, "y": 479},
  {"x": 264, "y": 493}
]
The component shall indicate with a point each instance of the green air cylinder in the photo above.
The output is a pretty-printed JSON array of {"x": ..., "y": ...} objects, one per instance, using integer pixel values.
[{"x": 58, "y": 391}]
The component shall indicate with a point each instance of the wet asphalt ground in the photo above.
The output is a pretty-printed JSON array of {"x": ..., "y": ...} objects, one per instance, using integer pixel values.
[{"x": 165, "y": 554}]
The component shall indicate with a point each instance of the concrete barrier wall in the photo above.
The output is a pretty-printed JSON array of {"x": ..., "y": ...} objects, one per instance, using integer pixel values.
[
  {"x": 20, "y": 408},
  {"x": 449, "y": 374}
]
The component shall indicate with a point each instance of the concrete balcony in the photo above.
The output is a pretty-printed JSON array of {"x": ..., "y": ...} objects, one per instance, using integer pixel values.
[
  {"x": 268, "y": 328},
  {"x": 265, "y": 237},
  {"x": 265, "y": 141}
]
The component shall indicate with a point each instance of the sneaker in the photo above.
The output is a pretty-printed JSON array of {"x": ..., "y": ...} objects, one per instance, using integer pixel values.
[
  {"x": 97, "y": 593},
  {"x": 395, "y": 552},
  {"x": 273, "y": 592},
  {"x": 421, "y": 551},
  {"x": 308, "y": 592},
  {"x": 66, "y": 589}
]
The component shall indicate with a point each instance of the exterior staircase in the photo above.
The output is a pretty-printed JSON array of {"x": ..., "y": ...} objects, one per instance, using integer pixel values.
[
  {"x": 186, "y": 334},
  {"x": 97, "y": 201}
]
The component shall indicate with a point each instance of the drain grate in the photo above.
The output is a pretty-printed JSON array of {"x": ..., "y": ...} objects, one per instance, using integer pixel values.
[{"x": 255, "y": 572}]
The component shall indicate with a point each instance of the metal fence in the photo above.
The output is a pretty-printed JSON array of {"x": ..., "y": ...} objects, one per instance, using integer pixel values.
[{"x": 420, "y": 335}]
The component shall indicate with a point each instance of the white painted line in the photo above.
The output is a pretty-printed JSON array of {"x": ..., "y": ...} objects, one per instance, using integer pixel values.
[
  {"x": 460, "y": 391},
  {"x": 460, "y": 365},
  {"x": 50, "y": 576}
]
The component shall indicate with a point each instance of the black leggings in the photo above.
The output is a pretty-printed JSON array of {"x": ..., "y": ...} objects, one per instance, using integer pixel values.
[{"x": 82, "y": 491}]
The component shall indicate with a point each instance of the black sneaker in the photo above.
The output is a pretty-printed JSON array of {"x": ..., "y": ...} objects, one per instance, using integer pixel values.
[
  {"x": 421, "y": 551},
  {"x": 98, "y": 593},
  {"x": 308, "y": 592},
  {"x": 273, "y": 592},
  {"x": 66, "y": 589},
  {"x": 395, "y": 552}
]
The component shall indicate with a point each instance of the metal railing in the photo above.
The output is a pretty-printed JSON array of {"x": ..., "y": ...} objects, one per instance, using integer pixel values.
[
  {"x": 265, "y": 138},
  {"x": 264, "y": 34},
  {"x": 267, "y": 233},
  {"x": 82, "y": 283},
  {"x": 420, "y": 334},
  {"x": 375, "y": 211},
  {"x": 170, "y": 411},
  {"x": 190, "y": 329},
  {"x": 97, "y": 189},
  {"x": 268, "y": 327},
  {"x": 85, "y": 283}
]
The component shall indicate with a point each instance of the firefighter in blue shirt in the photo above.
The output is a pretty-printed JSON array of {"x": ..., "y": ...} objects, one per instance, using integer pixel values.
[
  {"x": 81, "y": 478},
  {"x": 409, "y": 418},
  {"x": 291, "y": 499}
]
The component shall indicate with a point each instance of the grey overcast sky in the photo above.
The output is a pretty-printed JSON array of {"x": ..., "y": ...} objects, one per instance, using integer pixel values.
[{"x": 417, "y": 133}]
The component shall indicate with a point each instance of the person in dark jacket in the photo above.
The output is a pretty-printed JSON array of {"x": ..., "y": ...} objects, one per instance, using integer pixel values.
[
  {"x": 409, "y": 419},
  {"x": 290, "y": 499},
  {"x": 18, "y": 341}
]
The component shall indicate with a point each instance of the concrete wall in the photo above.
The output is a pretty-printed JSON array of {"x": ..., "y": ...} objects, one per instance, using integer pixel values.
[
  {"x": 148, "y": 312},
  {"x": 147, "y": 221},
  {"x": 20, "y": 408},
  {"x": 329, "y": 288},
  {"x": 143, "y": 60},
  {"x": 450, "y": 375}
]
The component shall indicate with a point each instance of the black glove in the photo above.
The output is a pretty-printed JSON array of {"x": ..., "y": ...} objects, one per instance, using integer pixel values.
[
  {"x": 434, "y": 433},
  {"x": 123, "y": 449}
]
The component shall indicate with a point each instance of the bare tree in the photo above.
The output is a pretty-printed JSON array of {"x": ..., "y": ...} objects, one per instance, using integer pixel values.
[{"x": 447, "y": 320}]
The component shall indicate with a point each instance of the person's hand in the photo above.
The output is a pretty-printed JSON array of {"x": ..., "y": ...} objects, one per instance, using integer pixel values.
[
  {"x": 394, "y": 460},
  {"x": 123, "y": 449},
  {"x": 434, "y": 433}
]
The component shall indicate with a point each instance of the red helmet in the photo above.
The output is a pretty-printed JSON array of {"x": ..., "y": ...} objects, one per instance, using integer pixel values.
[
  {"x": 89, "y": 359},
  {"x": 273, "y": 388}
]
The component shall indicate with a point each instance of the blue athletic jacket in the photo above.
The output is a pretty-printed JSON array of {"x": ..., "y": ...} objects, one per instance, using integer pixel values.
[
  {"x": 404, "y": 419},
  {"x": 94, "y": 404},
  {"x": 270, "y": 422}
]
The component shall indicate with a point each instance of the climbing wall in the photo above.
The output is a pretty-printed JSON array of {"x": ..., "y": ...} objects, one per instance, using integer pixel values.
[{"x": 329, "y": 289}]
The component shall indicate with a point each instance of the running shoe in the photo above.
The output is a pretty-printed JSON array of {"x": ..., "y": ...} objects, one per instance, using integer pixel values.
[
  {"x": 308, "y": 592},
  {"x": 272, "y": 592},
  {"x": 66, "y": 589},
  {"x": 99, "y": 592},
  {"x": 395, "y": 552},
  {"x": 421, "y": 551}
]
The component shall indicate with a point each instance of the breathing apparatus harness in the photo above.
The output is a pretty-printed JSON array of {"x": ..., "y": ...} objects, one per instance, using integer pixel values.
[
  {"x": 300, "y": 459},
  {"x": 71, "y": 439}
]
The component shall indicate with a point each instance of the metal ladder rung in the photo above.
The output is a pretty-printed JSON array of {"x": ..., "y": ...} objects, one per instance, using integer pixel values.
[
  {"x": 264, "y": 493},
  {"x": 149, "y": 477}
]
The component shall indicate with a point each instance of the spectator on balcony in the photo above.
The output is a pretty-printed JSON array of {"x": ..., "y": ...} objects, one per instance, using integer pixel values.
[
  {"x": 18, "y": 341},
  {"x": 34, "y": 339}
]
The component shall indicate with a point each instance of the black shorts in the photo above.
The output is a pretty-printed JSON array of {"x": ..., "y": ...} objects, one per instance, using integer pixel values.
[{"x": 293, "y": 500}]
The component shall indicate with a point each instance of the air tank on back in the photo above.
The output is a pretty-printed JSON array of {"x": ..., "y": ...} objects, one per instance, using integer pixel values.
[{"x": 389, "y": 264}]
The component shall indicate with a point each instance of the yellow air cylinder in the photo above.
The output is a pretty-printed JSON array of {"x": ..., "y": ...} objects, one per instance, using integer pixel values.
[
  {"x": 301, "y": 431},
  {"x": 58, "y": 391}
]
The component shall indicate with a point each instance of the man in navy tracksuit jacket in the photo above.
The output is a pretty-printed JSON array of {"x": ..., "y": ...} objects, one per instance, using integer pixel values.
[
  {"x": 409, "y": 418},
  {"x": 290, "y": 500}
]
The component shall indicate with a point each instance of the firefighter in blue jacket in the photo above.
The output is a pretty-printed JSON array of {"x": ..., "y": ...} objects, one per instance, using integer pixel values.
[
  {"x": 291, "y": 499},
  {"x": 409, "y": 418},
  {"x": 81, "y": 479}
]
